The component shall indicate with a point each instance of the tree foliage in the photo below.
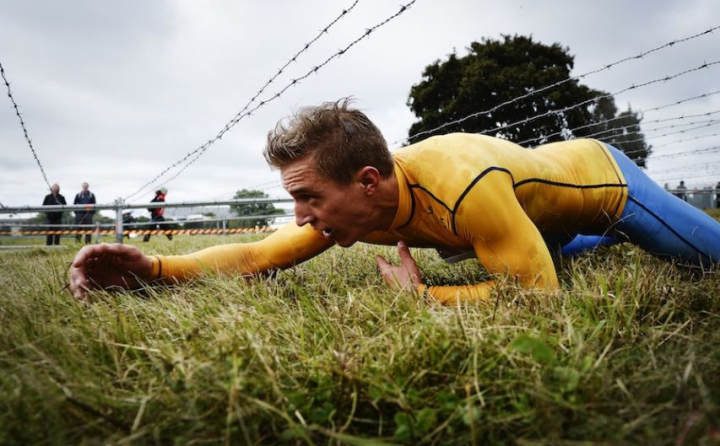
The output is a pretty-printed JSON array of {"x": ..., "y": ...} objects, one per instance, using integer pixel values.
[
  {"x": 250, "y": 209},
  {"x": 500, "y": 77}
]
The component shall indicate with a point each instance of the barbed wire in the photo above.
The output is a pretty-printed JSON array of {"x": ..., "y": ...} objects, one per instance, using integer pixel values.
[
  {"x": 197, "y": 153},
  {"x": 680, "y": 118},
  {"x": 682, "y": 101},
  {"x": 653, "y": 156},
  {"x": 645, "y": 132},
  {"x": 688, "y": 152},
  {"x": 604, "y": 96},
  {"x": 22, "y": 124},
  {"x": 681, "y": 176},
  {"x": 294, "y": 58},
  {"x": 691, "y": 166},
  {"x": 557, "y": 84},
  {"x": 616, "y": 118},
  {"x": 695, "y": 138},
  {"x": 265, "y": 184},
  {"x": 260, "y": 186},
  {"x": 233, "y": 121},
  {"x": 632, "y": 87}
]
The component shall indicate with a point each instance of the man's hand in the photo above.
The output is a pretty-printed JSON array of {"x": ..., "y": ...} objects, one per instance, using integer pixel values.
[
  {"x": 108, "y": 265},
  {"x": 404, "y": 276}
]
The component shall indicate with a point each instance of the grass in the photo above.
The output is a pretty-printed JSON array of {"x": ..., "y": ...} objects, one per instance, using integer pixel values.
[{"x": 628, "y": 352}]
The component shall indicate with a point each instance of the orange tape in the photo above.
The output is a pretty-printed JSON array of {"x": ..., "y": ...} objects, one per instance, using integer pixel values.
[{"x": 142, "y": 232}]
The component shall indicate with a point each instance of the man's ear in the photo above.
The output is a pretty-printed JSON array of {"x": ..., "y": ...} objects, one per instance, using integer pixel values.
[{"x": 369, "y": 178}]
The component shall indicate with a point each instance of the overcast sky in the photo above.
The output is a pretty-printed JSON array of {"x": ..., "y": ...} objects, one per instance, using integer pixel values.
[{"x": 113, "y": 93}]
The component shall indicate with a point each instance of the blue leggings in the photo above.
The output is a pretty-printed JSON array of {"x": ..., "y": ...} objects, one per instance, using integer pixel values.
[{"x": 658, "y": 222}]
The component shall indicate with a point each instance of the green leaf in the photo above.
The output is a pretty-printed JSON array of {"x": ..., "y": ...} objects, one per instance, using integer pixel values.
[
  {"x": 569, "y": 377},
  {"x": 426, "y": 420},
  {"x": 524, "y": 343},
  {"x": 403, "y": 429},
  {"x": 357, "y": 441}
]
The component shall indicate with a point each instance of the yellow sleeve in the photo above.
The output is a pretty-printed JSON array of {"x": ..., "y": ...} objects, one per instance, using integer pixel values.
[
  {"x": 284, "y": 248},
  {"x": 505, "y": 240},
  {"x": 451, "y": 295}
]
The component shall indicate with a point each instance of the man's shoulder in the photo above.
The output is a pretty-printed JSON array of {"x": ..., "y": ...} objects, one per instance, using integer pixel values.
[
  {"x": 443, "y": 157},
  {"x": 446, "y": 166},
  {"x": 456, "y": 147}
]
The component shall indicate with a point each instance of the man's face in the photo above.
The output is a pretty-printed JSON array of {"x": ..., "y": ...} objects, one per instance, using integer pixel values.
[
  {"x": 55, "y": 189},
  {"x": 85, "y": 186},
  {"x": 340, "y": 213}
]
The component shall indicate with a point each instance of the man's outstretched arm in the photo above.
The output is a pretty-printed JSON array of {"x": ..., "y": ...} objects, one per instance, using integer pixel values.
[
  {"x": 107, "y": 266},
  {"x": 284, "y": 248}
]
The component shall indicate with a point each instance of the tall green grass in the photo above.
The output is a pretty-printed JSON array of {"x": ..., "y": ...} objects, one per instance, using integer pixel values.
[{"x": 628, "y": 352}]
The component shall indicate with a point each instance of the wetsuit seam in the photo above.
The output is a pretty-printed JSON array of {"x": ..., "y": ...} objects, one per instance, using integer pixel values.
[
  {"x": 472, "y": 185},
  {"x": 608, "y": 155},
  {"x": 606, "y": 152},
  {"x": 574, "y": 186},
  {"x": 412, "y": 207},
  {"x": 417, "y": 186}
]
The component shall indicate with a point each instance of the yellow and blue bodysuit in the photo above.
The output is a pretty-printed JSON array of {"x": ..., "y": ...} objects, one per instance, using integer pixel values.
[{"x": 510, "y": 206}]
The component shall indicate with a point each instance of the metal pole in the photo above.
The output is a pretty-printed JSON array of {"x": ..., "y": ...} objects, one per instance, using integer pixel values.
[{"x": 118, "y": 221}]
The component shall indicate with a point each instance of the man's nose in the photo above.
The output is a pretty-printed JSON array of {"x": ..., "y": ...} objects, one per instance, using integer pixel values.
[{"x": 302, "y": 215}]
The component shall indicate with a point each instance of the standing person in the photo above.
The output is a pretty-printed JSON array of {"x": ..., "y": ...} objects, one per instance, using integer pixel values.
[
  {"x": 84, "y": 217},
  {"x": 681, "y": 191},
  {"x": 717, "y": 196},
  {"x": 55, "y": 217},
  {"x": 156, "y": 214}
]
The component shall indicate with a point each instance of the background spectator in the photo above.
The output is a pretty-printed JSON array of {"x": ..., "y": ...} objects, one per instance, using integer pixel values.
[
  {"x": 681, "y": 191},
  {"x": 84, "y": 217},
  {"x": 156, "y": 214},
  {"x": 55, "y": 217}
]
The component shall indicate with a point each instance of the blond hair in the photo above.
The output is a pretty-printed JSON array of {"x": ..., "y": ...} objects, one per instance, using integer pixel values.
[{"x": 340, "y": 140}]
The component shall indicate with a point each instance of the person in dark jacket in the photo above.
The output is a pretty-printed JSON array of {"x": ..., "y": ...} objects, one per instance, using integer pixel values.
[
  {"x": 681, "y": 191},
  {"x": 55, "y": 217},
  {"x": 84, "y": 217},
  {"x": 156, "y": 214}
]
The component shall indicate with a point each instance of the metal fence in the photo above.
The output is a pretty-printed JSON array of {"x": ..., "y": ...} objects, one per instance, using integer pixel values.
[
  {"x": 121, "y": 228},
  {"x": 700, "y": 198}
]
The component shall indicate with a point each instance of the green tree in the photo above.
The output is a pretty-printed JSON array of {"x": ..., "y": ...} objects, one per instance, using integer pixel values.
[
  {"x": 250, "y": 209},
  {"x": 454, "y": 95},
  {"x": 100, "y": 218}
]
